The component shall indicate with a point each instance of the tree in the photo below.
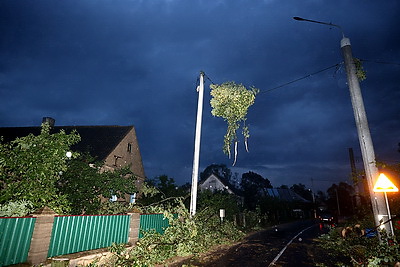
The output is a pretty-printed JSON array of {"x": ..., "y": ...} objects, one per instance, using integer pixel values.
[
  {"x": 84, "y": 183},
  {"x": 164, "y": 189},
  {"x": 254, "y": 188},
  {"x": 219, "y": 169},
  {"x": 302, "y": 191},
  {"x": 30, "y": 168},
  {"x": 214, "y": 201},
  {"x": 341, "y": 199}
]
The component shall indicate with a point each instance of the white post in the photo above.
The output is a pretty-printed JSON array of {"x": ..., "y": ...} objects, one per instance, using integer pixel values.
[
  {"x": 196, "y": 158},
  {"x": 389, "y": 215}
]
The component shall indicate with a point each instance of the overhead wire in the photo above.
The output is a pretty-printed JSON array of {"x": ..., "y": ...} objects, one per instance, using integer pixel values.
[
  {"x": 337, "y": 66},
  {"x": 301, "y": 78},
  {"x": 380, "y": 62}
]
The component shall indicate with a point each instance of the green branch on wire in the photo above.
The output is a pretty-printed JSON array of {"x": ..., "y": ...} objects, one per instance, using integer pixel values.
[{"x": 231, "y": 101}]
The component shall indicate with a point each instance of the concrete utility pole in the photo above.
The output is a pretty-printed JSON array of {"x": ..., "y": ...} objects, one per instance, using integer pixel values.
[
  {"x": 367, "y": 150},
  {"x": 356, "y": 183},
  {"x": 196, "y": 158}
]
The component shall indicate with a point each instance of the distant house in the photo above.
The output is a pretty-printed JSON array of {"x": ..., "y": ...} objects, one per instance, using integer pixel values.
[
  {"x": 116, "y": 146},
  {"x": 215, "y": 183}
]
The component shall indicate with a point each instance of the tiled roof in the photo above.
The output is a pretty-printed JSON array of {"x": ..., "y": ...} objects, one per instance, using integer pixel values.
[
  {"x": 285, "y": 194},
  {"x": 99, "y": 141}
]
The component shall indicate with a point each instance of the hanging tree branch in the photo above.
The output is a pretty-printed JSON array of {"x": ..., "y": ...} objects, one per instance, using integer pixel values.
[{"x": 231, "y": 101}]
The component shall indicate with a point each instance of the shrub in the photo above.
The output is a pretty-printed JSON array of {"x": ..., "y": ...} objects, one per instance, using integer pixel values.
[
  {"x": 360, "y": 250},
  {"x": 17, "y": 208},
  {"x": 185, "y": 236}
]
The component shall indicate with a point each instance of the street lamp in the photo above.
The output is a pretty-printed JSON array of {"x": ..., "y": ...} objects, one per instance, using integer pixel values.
[{"x": 364, "y": 135}]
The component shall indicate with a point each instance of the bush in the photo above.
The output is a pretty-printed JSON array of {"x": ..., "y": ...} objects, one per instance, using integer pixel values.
[
  {"x": 360, "y": 250},
  {"x": 185, "y": 236},
  {"x": 19, "y": 208}
]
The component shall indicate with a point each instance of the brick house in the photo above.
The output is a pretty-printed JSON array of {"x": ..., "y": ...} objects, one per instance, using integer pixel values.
[{"x": 116, "y": 146}]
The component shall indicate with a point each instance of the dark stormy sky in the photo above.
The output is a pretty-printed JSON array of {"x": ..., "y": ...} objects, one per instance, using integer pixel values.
[{"x": 136, "y": 62}]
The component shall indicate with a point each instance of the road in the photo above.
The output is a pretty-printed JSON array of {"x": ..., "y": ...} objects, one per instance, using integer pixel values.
[{"x": 292, "y": 244}]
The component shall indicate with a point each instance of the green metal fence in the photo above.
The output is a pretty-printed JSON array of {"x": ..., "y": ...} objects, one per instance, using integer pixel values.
[
  {"x": 155, "y": 222},
  {"x": 15, "y": 239},
  {"x": 72, "y": 234}
]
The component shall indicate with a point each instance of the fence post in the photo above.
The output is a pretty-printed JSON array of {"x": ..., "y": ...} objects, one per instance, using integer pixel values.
[
  {"x": 134, "y": 226},
  {"x": 41, "y": 236}
]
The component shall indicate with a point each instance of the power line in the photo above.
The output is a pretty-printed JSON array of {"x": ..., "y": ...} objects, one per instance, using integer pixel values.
[
  {"x": 302, "y": 78},
  {"x": 381, "y": 62},
  {"x": 314, "y": 73},
  {"x": 337, "y": 66}
]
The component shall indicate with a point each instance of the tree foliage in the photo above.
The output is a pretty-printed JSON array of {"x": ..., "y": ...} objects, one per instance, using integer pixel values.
[
  {"x": 302, "y": 191},
  {"x": 185, "y": 236},
  {"x": 360, "y": 72},
  {"x": 254, "y": 188},
  {"x": 31, "y": 166},
  {"x": 219, "y": 169},
  {"x": 231, "y": 101},
  {"x": 36, "y": 169},
  {"x": 85, "y": 182},
  {"x": 161, "y": 188},
  {"x": 340, "y": 199}
]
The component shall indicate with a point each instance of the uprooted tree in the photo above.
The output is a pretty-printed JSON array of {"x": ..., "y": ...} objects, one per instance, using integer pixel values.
[{"x": 231, "y": 101}]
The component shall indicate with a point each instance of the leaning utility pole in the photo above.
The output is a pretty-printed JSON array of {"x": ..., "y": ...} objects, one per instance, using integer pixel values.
[
  {"x": 367, "y": 150},
  {"x": 196, "y": 158},
  {"x": 379, "y": 208}
]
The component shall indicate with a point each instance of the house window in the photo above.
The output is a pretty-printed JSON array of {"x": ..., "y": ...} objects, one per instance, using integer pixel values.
[
  {"x": 116, "y": 159},
  {"x": 129, "y": 149}
]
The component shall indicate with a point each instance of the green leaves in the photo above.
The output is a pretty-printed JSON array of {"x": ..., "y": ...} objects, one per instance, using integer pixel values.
[
  {"x": 231, "y": 102},
  {"x": 360, "y": 72},
  {"x": 30, "y": 167}
]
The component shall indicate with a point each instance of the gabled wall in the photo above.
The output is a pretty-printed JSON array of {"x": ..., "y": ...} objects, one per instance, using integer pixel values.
[
  {"x": 212, "y": 183},
  {"x": 127, "y": 153}
]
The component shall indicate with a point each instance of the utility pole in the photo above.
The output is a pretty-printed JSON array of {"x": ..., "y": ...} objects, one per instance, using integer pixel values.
[
  {"x": 379, "y": 208},
  {"x": 196, "y": 158},
  {"x": 354, "y": 177},
  {"x": 367, "y": 150}
]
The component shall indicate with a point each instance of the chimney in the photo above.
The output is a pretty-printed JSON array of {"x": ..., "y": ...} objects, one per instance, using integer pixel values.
[{"x": 49, "y": 120}]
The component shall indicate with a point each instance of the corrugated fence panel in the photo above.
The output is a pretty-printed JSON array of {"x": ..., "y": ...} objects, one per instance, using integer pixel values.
[
  {"x": 15, "y": 239},
  {"x": 152, "y": 221},
  {"x": 72, "y": 234}
]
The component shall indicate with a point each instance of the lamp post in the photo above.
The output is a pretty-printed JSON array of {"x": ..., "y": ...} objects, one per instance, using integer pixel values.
[{"x": 364, "y": 136}]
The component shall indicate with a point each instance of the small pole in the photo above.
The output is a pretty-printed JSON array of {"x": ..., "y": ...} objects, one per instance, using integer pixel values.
[
  {"x": 196, "y": 158},
  {"x": 389, "y": 215}
]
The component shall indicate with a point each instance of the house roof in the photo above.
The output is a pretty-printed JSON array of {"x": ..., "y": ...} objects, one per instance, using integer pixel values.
[
  {"x": 224, "y": 181},
  {"x": 99, "y": 141},
  {"x": 285, "y": 194}
]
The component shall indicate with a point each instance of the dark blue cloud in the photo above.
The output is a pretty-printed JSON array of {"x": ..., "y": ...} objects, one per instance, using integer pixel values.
[{"x": 137, "y": 62}]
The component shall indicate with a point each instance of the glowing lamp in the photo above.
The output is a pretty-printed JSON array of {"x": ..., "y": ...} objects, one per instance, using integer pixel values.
[{"x": 383, "y": 184}]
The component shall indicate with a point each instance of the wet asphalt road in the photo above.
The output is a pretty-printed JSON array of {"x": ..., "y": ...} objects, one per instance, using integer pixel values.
[{"x": 263, "y": 248}]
